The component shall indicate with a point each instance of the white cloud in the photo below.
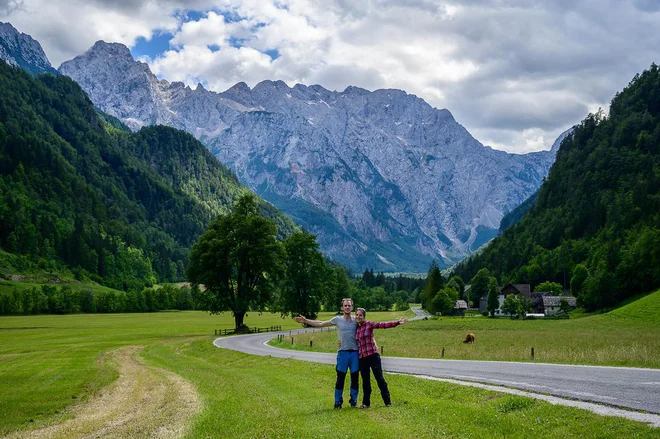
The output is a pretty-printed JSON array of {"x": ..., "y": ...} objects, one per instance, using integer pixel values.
[
  {"x": 210, "y": 30},
  {"x": 515, "y": 73},
  {"x": 66, "y": 29}
]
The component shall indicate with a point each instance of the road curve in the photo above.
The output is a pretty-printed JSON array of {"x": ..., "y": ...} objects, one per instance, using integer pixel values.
[{"x": 623, "y": 387}]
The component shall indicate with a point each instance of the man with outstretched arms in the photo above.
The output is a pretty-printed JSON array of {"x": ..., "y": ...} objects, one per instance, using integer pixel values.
[{"x": 347, "y": 356}]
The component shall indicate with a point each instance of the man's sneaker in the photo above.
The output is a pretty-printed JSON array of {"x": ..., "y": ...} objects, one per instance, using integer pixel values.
[
  {"x": 364, "y": 406},
  {"x": 337, "y": 405},
  {"x": 353, "y": 403},
  {"x": 388, "y": 405}
]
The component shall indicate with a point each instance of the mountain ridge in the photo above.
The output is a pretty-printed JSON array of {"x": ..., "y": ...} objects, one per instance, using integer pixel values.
[
  {"x": 384, "y": 164},
  {"x": 382, "y": 178}
]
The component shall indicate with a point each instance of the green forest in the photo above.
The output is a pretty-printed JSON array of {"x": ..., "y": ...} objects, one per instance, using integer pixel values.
[
  {"x": 595, "y": 225},
  {"x": 81, "y": 193}
]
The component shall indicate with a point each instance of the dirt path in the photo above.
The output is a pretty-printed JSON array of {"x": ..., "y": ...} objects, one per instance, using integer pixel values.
[{"x": 144, "y": 402}]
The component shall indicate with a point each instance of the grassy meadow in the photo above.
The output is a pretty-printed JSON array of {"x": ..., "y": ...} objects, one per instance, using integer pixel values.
[
  {"x": 627, "y": 336},
  {"x": 9, "y": 286},
  {"x": 50, "y": 363}
]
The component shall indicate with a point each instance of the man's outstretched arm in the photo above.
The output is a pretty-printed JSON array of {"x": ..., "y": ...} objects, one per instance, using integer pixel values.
[{"x": 316, "y": 323}]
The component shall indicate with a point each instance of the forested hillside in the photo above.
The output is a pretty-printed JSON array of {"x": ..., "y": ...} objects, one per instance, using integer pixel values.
[
  {"x": 595, "y": 226},
  {"x": 78, "y": 191}
]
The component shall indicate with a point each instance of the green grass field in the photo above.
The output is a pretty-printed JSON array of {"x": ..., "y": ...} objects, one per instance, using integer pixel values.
[
  {"x": 48, "y": 363},
  {"x": 627, "y": 336},
  {"x": 8, "y": 286}
]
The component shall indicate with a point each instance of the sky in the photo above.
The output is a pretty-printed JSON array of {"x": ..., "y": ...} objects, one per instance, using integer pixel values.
[{"x": 515, "y": 73}]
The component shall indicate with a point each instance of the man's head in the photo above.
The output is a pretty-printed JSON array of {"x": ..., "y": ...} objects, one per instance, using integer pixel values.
[{"x": 347, "y": 306}]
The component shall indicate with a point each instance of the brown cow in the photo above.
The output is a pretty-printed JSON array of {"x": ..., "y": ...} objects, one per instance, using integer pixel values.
[{"x": 469, "y": 338}]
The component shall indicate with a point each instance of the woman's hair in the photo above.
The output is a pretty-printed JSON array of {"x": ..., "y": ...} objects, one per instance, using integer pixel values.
[{"x": 364, "y": 311}]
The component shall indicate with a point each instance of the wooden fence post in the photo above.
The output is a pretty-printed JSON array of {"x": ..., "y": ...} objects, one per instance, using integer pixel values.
[
  {"x": 532, "y": 353},
  {"x": 443, "y": 352}
]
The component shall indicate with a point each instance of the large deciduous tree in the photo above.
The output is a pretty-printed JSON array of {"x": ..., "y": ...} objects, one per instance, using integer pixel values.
[
  {"x": 445, "y": 300},
  {"x": 457, "y": 283},
  {"x": 303, "y": 289},
  {"x": 552, "y": 287},
  {"x": 479, "y": 286},
  {"x": 238, "y": 260}
]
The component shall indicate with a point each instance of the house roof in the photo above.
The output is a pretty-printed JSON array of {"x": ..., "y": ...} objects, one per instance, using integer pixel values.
[
  {"x": 556, "y": 300},
  {"x": 537, "y": 297},
  {"x": 524, "y": 289},
  {"x": 461, "y": 304}
]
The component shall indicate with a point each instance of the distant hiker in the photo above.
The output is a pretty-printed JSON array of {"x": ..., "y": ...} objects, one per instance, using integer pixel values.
[
  {"x": 370, "y": 357},
  {"x": 469, "y": 338},
  {"x": 347, "y": 356}
]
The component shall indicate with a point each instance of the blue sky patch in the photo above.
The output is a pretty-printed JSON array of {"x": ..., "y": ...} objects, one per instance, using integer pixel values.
[
  {"x": 237, "y": 42},
  {"x": 194, "y": 15},
  {"x": 158, "y": 44},
  {"x": 273, "y": 53},
  {"x": 230, "y": 16}
]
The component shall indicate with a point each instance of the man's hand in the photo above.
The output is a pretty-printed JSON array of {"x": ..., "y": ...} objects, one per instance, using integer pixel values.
[{"x": 300, "y": 319}]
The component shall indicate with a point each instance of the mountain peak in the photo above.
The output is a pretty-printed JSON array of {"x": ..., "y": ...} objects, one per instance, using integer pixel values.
[
  {"x": 351, "y": 89},
  {"x": 240, "y": 87},
  {"x": 278, "y": 85},
  {"x": 101, "y": 48},
  {"x": 22, "y": 50}
]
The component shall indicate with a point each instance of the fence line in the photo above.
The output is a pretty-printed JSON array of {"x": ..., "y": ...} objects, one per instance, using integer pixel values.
[{"x": 249, "y": 330}]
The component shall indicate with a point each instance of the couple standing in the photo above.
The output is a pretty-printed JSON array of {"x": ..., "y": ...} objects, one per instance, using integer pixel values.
[{"x": 357, "y": 351}]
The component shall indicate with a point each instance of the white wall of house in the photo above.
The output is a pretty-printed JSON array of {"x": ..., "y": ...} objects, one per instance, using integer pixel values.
[{"x": 551, "y": 310}]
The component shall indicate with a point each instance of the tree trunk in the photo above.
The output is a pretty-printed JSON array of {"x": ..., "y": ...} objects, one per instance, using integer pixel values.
[{"x": 238, "y": 321}]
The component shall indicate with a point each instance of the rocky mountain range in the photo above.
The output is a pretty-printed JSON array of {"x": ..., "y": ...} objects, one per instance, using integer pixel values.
[
  {"x": 383, "y": 179},
  {"x": 19, "y": 49}
]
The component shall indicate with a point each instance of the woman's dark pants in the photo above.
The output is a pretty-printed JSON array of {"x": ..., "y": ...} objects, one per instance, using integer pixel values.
[{"x": 372, "y": 363}]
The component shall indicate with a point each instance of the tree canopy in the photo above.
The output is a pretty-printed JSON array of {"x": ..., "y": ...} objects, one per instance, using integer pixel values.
[
  {"x": 304, "y": 285},
  {"x": 238, "y": 260}
]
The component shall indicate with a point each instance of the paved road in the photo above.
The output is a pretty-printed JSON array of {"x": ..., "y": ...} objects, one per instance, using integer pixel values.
[{"x": 625, "y": 387}]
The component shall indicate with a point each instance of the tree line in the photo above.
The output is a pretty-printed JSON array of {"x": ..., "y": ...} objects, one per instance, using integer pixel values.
[
  {"x": 399, "y": 282},
  {"x": 239, "y": 264},
  {"x": 52, "y": 299}
]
